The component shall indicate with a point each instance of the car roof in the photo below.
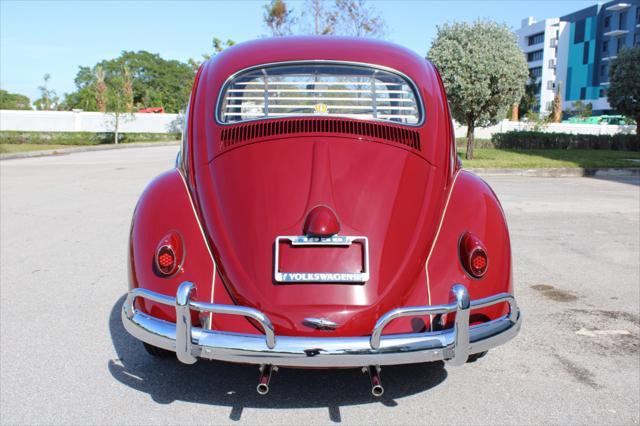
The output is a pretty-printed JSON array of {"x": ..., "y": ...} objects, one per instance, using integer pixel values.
[{"x": 320, "y": 48}]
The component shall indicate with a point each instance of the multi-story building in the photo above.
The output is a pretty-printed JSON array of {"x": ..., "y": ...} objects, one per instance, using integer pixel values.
[
  {"x": 587, "y": 41},
  {"x": 539, "y": 42}
]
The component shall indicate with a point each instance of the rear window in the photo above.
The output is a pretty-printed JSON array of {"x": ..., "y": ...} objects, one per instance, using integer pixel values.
[{"x": 361, "y": 92}]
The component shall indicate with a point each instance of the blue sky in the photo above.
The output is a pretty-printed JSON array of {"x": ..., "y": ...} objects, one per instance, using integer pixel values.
[{"x": 55, "y": 37}]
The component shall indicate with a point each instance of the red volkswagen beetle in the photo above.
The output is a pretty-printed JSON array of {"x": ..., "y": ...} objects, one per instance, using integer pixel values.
[{"x": 318, "y": 217}]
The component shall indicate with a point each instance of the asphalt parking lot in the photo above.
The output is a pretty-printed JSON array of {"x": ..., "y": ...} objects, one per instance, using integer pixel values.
[{"x": 66, "y": 359}]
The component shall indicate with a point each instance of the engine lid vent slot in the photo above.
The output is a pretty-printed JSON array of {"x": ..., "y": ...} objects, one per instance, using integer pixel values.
[{"x": 251, "y": 132}]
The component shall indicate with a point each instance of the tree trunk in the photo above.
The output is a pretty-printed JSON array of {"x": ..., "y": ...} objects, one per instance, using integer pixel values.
[
  {"x": 470, "y": 129},
  {"x": 514, "y": 112},
  {"x": 115, "y": 136}
]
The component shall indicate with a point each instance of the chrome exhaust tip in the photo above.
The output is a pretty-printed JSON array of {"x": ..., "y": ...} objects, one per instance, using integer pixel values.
[
  {"x": 262, "y": 389},
  {"x": 377, "y": 391},
  {"x": 376, "y": 383},
  {"x": 265, "y": 378}
]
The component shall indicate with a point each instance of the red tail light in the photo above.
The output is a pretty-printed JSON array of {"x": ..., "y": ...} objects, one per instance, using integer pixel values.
[
  {"x": 473, "y": 255},
  {"x": 168, "y": 255}
]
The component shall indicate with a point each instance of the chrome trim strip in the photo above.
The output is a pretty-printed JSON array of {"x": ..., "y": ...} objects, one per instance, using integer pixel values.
[
  {"x": 409, "y": 80},
  {"x": 452, "y": 345}
]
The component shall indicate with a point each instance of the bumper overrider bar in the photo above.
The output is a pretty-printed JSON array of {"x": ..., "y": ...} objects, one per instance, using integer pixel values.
[{"x": 190, "y": 343}]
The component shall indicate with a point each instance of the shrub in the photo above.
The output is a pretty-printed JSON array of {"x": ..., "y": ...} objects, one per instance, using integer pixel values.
[
  {"x": 80, "y": 138},
  {"x": 479, "y": 143},
  {"x": 543, "y": 140}
]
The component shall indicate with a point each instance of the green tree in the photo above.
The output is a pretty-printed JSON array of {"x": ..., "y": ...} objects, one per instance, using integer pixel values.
[
  {"x": 341, "y": 17},
  {"x": 557, "y": 105},
  {"x": 14, "y": 101},
  {"x": 356, "y": 18},
  {"x": 278, "y": 18},
  {"x": 318, "y": 18},
  {"x": 529, "y": 101},
  {"x": 483, "y": 70},
  {"x": 155, "y": 82},
  {"x": 101, "y": 89},
  {"x": 624, "y": 89},
  {"x": 48, "y": 100},
  {"x": 217, "y": 45},
  {"x": 119, "y": 99},
  {"x": 580, "y": 109}
]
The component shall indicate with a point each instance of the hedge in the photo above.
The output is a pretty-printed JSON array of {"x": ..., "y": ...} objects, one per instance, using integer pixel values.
[
  {"x": 81, "y": 138},
  {"x": 478, "y": 143},
  {"x": 543, "y": 140}
]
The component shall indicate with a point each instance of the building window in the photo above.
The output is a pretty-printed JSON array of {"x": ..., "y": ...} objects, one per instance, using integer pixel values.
[
  {"x": 536, "y": 39},
  {"x": 638, "y": 16},
  {"x": 603, "y": 70},
  {"x": 536, "y": 72},
  {"x": 605, "y": 46},
  {"x": 583, "y": 93},
  {"x": 622, "y": 20},
  {"x": 620, "y": 44},
  {"x": 585, "y": 53},
  {"x": 636, "y": 37},
  {"x": 534, "y": 56},
  {"x": 578, "y": 36},
  {"x": 603, "y": 93},
  {"x": 607, "y": 22}
]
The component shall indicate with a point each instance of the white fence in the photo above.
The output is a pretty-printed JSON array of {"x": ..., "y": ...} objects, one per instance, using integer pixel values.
[
  {"x": 508, "y": 126},
  {"x": 71, "y": 121},
  {"x": 96, "y": 122}
]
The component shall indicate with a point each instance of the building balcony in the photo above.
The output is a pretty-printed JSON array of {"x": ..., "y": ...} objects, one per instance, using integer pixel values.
[
  {"x": 616, "y": 33},
  {"x": 609, "y": 58},
  {"x": 618, "y": 6}
]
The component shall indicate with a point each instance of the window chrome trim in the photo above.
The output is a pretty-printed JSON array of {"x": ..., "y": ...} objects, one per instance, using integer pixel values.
[{"x": 409, "y": 80}]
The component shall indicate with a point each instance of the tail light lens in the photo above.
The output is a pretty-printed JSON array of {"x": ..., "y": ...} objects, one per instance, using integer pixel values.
[
  {"x": 169, "y": 254},
  {"x": 473, "y": 255}
]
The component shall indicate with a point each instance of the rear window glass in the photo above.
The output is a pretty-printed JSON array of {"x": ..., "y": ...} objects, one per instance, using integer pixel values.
[{"x": 360, "y": 92}]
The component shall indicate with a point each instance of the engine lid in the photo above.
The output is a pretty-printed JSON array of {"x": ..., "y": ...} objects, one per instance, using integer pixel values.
[{"x": 260, "y": 201}]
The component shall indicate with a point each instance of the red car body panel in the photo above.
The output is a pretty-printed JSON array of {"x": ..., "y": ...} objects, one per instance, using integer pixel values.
[{"x": 410, "y": 200}]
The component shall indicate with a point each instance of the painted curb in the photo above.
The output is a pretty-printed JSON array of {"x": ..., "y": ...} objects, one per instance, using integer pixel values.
[
  {"x": 83, "y": 148},
  {"x": 560, "y": 172}
]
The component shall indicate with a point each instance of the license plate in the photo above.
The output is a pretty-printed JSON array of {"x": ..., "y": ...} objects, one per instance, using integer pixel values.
[{"x": 321, "y": 276}]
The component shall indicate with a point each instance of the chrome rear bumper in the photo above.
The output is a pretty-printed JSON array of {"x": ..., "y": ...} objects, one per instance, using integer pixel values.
[{"x": 190, "y": 343}]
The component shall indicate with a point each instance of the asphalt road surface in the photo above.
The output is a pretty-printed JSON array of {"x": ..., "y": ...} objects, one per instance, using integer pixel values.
[{"x": 65, "y": 357}]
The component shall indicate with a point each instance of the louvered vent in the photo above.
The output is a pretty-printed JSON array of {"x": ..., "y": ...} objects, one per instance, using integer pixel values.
[{"x": 246, "y": 132}]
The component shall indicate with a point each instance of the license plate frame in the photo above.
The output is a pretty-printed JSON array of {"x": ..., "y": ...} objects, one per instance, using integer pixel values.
[{"x": 321, "y": 277}]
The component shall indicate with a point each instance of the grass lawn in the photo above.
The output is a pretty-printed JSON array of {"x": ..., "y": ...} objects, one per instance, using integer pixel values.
[
  {"x": 548, "y": 158},
  {"x": 9, "y": 148}
]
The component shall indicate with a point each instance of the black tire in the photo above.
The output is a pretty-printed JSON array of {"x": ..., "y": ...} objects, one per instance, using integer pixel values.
[
  {"x": 475, "y": 357},
  {"x": 158, "y": 352}
]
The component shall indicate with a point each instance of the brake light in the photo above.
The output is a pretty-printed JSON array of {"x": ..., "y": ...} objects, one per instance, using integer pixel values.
[
  {"x": 473, "y": 255},
  {"x": 168, "y": 256}
]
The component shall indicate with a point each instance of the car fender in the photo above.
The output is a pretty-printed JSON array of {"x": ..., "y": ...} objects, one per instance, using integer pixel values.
[
  {"x": 164, "y": 207},
  {"x": 471, "y": 206}
]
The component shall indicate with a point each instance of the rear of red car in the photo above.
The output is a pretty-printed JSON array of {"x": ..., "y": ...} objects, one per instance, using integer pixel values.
[{"x": 317, "y": 185}]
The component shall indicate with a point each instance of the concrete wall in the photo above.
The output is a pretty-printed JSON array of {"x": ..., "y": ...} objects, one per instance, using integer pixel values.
[{"x": 69, "y": 121}]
